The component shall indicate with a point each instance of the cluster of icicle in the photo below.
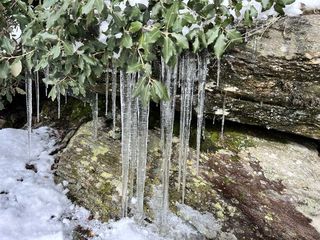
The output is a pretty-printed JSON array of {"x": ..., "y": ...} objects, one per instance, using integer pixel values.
[{"x": 189, "y": 70}]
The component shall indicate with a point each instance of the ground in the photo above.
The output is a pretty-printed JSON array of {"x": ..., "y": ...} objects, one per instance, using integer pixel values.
[{"x": 32, "y": 207}]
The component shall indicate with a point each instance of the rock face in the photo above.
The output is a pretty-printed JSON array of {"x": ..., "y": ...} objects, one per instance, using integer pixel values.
[
  {"x": 273, "y": 80},
  {"x": 92, "y": 170},
  {"x": 244, "y": 190}
]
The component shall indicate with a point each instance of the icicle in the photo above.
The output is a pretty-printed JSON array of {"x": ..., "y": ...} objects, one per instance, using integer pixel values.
[
  {"x": 29, "y": 110},
  {"x": 133, "y": 138},
  {"x": 186, "y": 114},
  {"x": 95, "y": 115},
  {"x": 182, "y": 116},
  {"x": 107, "y": 92},
  {"x": 47, "y": 77},
  {"x": 59, "y": 101},
  {"x": 202, "y": 68},
  {"x": 143, "y": 123},
  {"x": 114, "y": 99},
  {"x": 223, "y": 117},
  {"x": 218, "y": 71},
  {"x": 38, "y": 96},
  {"x": 125, "y": 97},
  {"x": 66, "y": 98},
  {"x": 169, "y": 78}
]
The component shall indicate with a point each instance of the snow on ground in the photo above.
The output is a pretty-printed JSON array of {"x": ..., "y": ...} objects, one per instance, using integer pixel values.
[{"x": 32, "y": 207}]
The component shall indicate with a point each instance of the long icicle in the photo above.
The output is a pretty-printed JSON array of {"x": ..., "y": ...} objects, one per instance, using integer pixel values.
[
  {"x": 134, "y": 149},
  {"x": 190, "y": 68},
  {"x": 223, "y": 116},
  {"x": 125, "y": 97},
  {"x": 202, "y": 76},
  {"x": 38, "y": 96},
  {"x": 218, "y": 71},
  {"x": 143, "y": 124},
  {"x": 59, "y": 101},
  {"x": 182, "y": 117},
  {"x": 47, "y": 72},
  {"x": 114, "y": 99},
  {"x": 29, "y": 111},
  {"x": 107, "y": 90},
  {"x": 169, "y": 78},
  {"x": 95, "y": 115}
]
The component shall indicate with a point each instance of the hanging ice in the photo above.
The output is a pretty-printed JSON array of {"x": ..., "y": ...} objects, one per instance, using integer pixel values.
[
  {"x": 218, "y": 71},
  {"x": 125, "y": 98},
  {"x": 169, "y": 78},
  {"x": 38, "y": 96},
  {"x": 223, "y": 116},
  {"x": 143, "y": 123},
  {"x": 29, "y": 110},
  {"x": 114, "y": 99},
  {"x": 95, "y": 115},
  {"x": 202, "y": 76},
  {"x": 107, "y": 91},
  {"x": 47, "y": 78},
  {"x": 189, "y": 68},
  {"x": 134, "y": 149},
  {"x": 59, "y": 101}
]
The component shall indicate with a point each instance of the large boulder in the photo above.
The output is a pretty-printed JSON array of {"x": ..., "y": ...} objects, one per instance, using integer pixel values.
[
  {"x": 239, "y": 194},
  {"x": 273, "y": 80}
]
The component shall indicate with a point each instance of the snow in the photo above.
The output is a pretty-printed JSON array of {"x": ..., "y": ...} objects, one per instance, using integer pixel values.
[
  {"x": 134, "y": 2},
  {"x": 296, "y": 8},
  {"x": 33, "y": 207}
]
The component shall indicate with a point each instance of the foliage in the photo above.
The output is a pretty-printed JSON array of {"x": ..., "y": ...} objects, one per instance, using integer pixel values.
[{"x": 79, "y": 40}]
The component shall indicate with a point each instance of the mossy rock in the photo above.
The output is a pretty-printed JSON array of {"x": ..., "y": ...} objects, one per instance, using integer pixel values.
[{"x": 92, "y": 169}]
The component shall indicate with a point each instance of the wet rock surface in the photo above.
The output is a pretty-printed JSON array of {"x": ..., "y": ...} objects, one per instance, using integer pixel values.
[
  {"x": 273, "y": 80},
  {"x": 251, "y": 185}
]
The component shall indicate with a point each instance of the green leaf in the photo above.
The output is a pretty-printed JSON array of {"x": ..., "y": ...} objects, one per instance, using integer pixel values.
[
  {"x": 55, "y": 51},
  {"x": 49, "y": 3},
  {"x": 16, "y": 68},
  {"x": 88, "y": 60},
  {"x": 220, "y": 45},
  {"x": 234, "y": 35},
  {"x": 196, "y": 45},
  {"x": 47, "y": 36},
  {"x": 4, "y": 69},
  {"x": 88, "y": 7},
  {"x": 171, "y": 15},
  {"x": 161, "y": 90},
  {"x": 287, "y": 2},
  {"x": 153, "y": 35},
  {"x": 139, "y": 86},
  {"x": 247, "y": 18},
  {"x": 253, "y": 12},
  {"x": 99, "y": 4},
  {"x": 68, "y": 48},
  {"x": 6, "y": 45},
  {"x": 53, "y": 93},
  {"x": 212, "y": 34},
  {"x": 266, "y": 4},
  {"x": 145, "y": 95},
  {"x": 20, "y": 91},
  {"x": 168, "y": 49},
  {"x": 126, "y": 41},
  {"x": 42, "y": 64},
  {"x": 182, "y": 41},
  {"x": 134, "y": 67},
  {"x": 135, "y": 26}
]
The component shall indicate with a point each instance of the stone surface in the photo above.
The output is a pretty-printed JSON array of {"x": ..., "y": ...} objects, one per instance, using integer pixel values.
[
  {"x": 297, "y": 167},
  {"x": 273, "y": 80},
  {"x": 241, "y": 184}
]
